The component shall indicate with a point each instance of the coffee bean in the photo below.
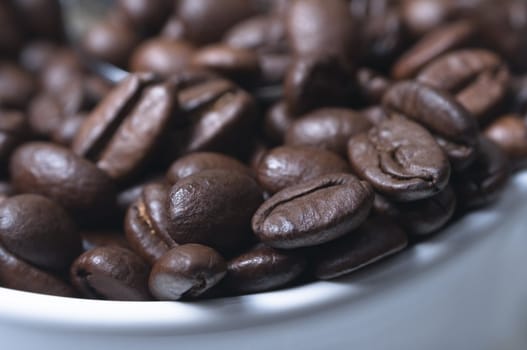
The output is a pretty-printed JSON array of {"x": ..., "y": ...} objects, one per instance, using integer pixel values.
[
  {"x": 62, "y": 67},
  {"x": 64, "y": 133},
  {"x": 263, "y": 268},
  {"x": 174, "y": 28},
  {"x": 313, "y": 212},
  {"x": 186, "y": 271},
  {"x": 112, "y": 273},
  {"x": 45, "y": 115},
  {"x": 327, "y": 128},
  {"x": 421, "y": 217},
  {"x": 39, "y": 231},
  {"x": 214, "y": 208},
  {"x": 16, "y": 86},
  {"x": 509, "y": 132},
  {"x": 443, "y": 39},
  {"x": 374, "y": 114},
  {"x": 376, "y": 239},
  {"x": 196, "y": 96},
  {"x": 284, "y": 166},
  {"x": 478, "y": 78},
  {"x": 131, "y": 193},
  {"x": 146, "y": 14},
  {"x": 276, "y": 122},
  {"x": 455, "y": 129},
  {"x": 17, "y": 274},
  {"x": 195, "y": 163},
  {"x": 56, "y": 172},
  {"x": 262, "y": 34},
  {"x": 400, "y": 159},
  {"x": 162, "y": 56}
]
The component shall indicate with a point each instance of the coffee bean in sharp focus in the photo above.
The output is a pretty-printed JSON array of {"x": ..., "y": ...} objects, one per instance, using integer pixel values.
[
  {"x": 213, "y": 208},
  {"x": 263, "y": 268},
  {"x": 509, "y": 132},
  {"x": 56, "y": 172},
  {"x": 285, "y": 166},
  {"x": 39, "y": 231},
  {"x": 376, "y": 239},
  {"x": 112, "y": 273},
  {"x": 186, "y": 271},
  {"x": 455, "y": 130},
  {"x": 313, "y": 212},
  {"x": 400, "y": 159}
]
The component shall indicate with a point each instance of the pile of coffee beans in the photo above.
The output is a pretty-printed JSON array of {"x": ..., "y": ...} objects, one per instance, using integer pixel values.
[{"x": 255, "y": 145}]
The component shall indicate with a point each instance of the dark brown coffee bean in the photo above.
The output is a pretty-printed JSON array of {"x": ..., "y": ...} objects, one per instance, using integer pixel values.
[
  {"x": 509, "y": 132},
  {"x": 261, "y": 33},
  {"x": 112, "y": 273},
  {"x": 130, "y": 194},
  {"x": 455, "y": 129},
  {"x": 263, "y": 268},
  {"x": 195, "y": 97},
  {"x": 162, "y": 56},
  {"x": 17, "y": 274},
  {"x": 376, "y": 239},
  {"x": 13, "y": 131},
  {"x": 374, "y": 114},
  {"x": 327, "y": 128},
  {"x": 44, "y": 115},
  {"x": 443, "y": 39},
  {"x": 94, "y": 239},
  {"x": 320, "y": 27},
  {"x": 64, "y": 66},
  {"x": 423, "y": 16},
  {"x": 65, "y": 132},
  {"x": 421, "y": 217},
  {"x": 186, "y": 271},
  {"x": 206, "y": 21},
  {"x": 56, "y": 172},
  {"x": 285, "y": 166},
  {"x": 214, "y": 208},
  {"x": 39, "y": 231},
  {"x": 195, "y": 163},
  {"x": 483, "y": 182},
  {"x": 372, "y": 85},
  {"x": 314, "y": 82},
  {"x": 110, "y": 41},
  {"x": 147, "y": 14},
  {"x": 313, "y": 212},
  {"x": 16, "y": 86},
  {"x": 276, "y": 122},
  {"x": 478, "y": 78},
  {"x": 400, "y": 159},
  {"x": 238, "y": 64}
]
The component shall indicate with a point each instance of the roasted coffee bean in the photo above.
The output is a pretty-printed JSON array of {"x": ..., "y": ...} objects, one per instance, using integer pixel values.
[
  {"x": 16, "y": 86},
  {"x": 186, "y": 271},
  {"x": 59, "y": 71},
  {"x": 262, "y": 34},
  {"x": 443, "y": 39},
  {"x": 199, "y": 95},
  {"x": 423, "y": 16},
  {"x": 162, "y": 56},
  {"x": 372, "y": 85},
  {"x": 111, "y": 41},
  {"x": 214, "y": 208},
  {"x": 173, "y": 29},
  {"x": 147, "y": 14},
  {"x": 195, "y": 163},
  {"x": 130, "y": 194},
  {"x": 263, "y": 268},
  {"x": 44, "y": 115},
  {"x": 314, "y": 82},
  {"x": 13, "y": 131},
  {"x": 509, "y": 132},
  {"x": 327, "y": 128},
  {"x": 56, "y": 172},
  {"x": 483, "y": 182},
  {"x": 93, "y": 239},
  {"x": 124, "y": 130},
  {"x": 39, "y": 231},
  {"x": 17, "y": 274},
  {"x": 400, "y": 159},
  {"x": 421, "y": 217},
  {"x": 454, "y": 128},
  {"x": 313, "y": 212},
  {"x": 285, "y": 166},
  {"x": 320, "y": 27},
  {"x": 376, "y": 239},
  {"x": 206, "y": 21},
  {"x": 374, "y": 114},
  {"x": 65, "y": 132},
  {"x": 112, "y": 273}
]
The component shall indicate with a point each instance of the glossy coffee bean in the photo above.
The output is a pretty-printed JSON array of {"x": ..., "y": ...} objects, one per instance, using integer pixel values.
[
  {"x": 421, "y": 217},
  {"x": 39, "y": 231},
  {"x": 276, "y": 122},
  {"x": 327, "y": 128},
  {"x": 56, "y": 172},
  {"x": 201, "y": 93},
  {"x": 483, "y": 182},
  {"x": 186, "y": 271},
  {"x": 400, "y": 159},
  {"x": 441, "y": 40},
  {"x": 376, "y": 239},
  {"x": 213, "y": 208},
  {"x": 197, "y": 162},
  {"x": 112, "y": 273},
  {"x": 285, "y": 166},
  {"x": 454, "y": 128},
  {"x": 509, "y": 132},
  {"x": 263, "y": 268},
  {"x": 162, "y": 56},
  {"x": 313, "y": 212},
  {"x": 17, "y": 274},
  {"x": 16, "y": 86}
]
